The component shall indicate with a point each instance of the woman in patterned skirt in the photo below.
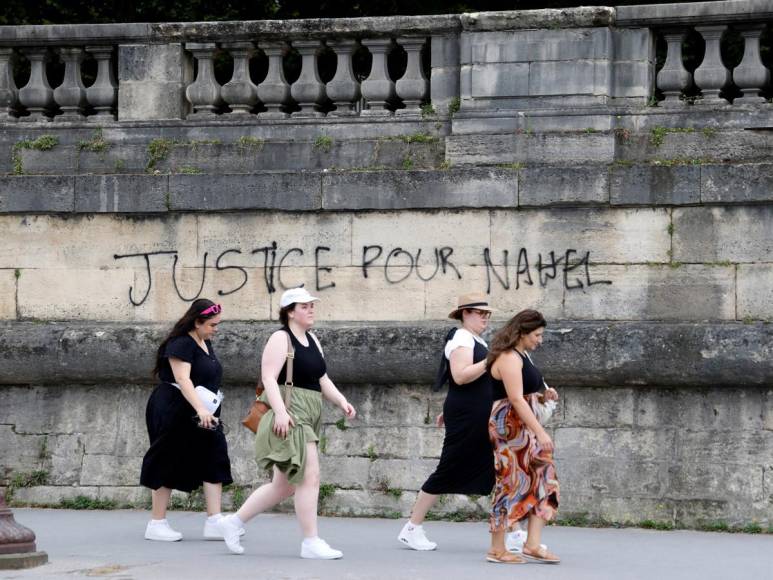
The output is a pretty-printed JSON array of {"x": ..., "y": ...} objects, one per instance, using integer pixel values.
[{"x": 526, "y": 485}]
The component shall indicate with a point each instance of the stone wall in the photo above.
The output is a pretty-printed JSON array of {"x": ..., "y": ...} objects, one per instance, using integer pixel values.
[{"x": 534, "y": 170}]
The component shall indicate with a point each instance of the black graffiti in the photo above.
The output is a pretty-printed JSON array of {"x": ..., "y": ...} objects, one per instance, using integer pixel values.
[
  {"x": 146, "y": 256},
  {"x": 548, "y": 268},
  {"x": 411, "y": 263},
  {"x": 397, "y": 265}
]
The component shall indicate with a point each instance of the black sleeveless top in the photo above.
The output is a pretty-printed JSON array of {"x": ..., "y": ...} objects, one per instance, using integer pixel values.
[
  {"x": 308, "y": 366},
  {"x": 532, "y": 380}
]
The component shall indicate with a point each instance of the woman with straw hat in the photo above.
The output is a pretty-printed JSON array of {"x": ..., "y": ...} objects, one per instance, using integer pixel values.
[{"x": 466, "y": 462}]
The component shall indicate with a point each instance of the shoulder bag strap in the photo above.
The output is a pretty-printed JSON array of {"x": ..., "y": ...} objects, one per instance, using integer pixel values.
[{"x": 289, "y": 373}]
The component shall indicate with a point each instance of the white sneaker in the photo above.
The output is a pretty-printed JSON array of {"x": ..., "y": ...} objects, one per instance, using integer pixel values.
[
  {"x": 229, "y": 531},
  {"x": 212, "y": 530},
  {"x": 514, "y": 541},
  {"x": 318, "y": 549},
  {"x": 161, "y": 531},
  {"x": 414, "y": 537}
]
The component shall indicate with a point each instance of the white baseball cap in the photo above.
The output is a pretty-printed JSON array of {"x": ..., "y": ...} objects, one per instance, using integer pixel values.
[{"x": 294, "y": 295}]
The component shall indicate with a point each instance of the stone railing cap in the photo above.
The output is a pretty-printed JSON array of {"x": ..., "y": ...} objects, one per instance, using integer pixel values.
[
  {"x": 695, "y": 13},
  {"x": 582, "y": 17}
]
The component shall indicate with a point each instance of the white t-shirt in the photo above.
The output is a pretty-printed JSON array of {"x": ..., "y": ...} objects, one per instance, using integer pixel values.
[{"x": 463, "y": 337}]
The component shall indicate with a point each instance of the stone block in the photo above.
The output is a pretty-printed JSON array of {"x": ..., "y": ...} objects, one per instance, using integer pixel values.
[
  {"x": 558, "y": 78},
  {"x": 8, "y": 294},
  {"x": 36, "y": 194},
  {"x": 85, "y": 242},
  {"x": 134, "y": 496},
  {"x": 541, "y": 45},
  {"x": 750, "y": 182},
  {"x": 744, "y": 447},
  {"x": 484, "y": 149},
  {"x": 610, "y": 235},
  {"x": 584, "y": 148},
  {"x": 500, "y": 80},
  {"x": 151, "y": 62},
  {"x": 376, "y": 407},
  {"x": 60, "y": 160},
  {"x": 598, "y": 477},
  {"x": 52, "y": 495},
  {"x": 119, "y": 158},
  {"x": 633, "y": 44},
  {"x": 589, "y": 407},
  {"x": 755, "y": 292},
  {"x": 719, "y": 234},
  {"x": 402, "y": 442},
  {"x": 767, "y": 409},
  {"x": 632, "y": 80},
  {"x": 710, "y": 410},
  {"x": 627, "y": 508},
  {"x": 716, "y": 482},
  {"x": 21, "y": 453},
  {"x": 74, "y": 294},
  {"x": 363, "y": 503},
  {"x": 581, "y": 445},
  {"x": 121, "y": 193},
  {"x": 407, "y": 474},
  {"x": 656, "y": 292},
  {"x": 416, "y": 231},
  {"x": 541, "y": 186},
  {"x": 64, "y": 453},
  {"x": 346, "y": 472},
  {"x": 275, "y": 191},
  {"x": 151, "y": 100},
  {"x": 110, "y": 470},
  {"x": 386, "y": 190},
  {"x": 653, "y": 185}
]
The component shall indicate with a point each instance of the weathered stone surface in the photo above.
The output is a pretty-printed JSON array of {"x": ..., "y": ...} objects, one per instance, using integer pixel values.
[
  {"x": 575, "y": 352},
  {"x": 52, "y": 495},
  {"x": 656, "y": 292},
  {"x": 594, "y": 407},
  {"x": 151, "y": 81},
  {"x": 110, "y": 470},
  {"x": 717, "y": 234},
  {"x": 277, "y": 191},
  {"x": 611, "y": 236},
  {"x": 8, "y": 294},
  {"x": 345, "y": 472},
  {"x": 755, "y": 291},
  {"x": 121, "y": 194},
  {"x": 407, "y": 474},
  {"x": 653, "y": 185},
  {"x": 387, "y": 190},
  {"x": 36, "y": 194},
  {"x": 395, "y": 442},
  {"x": 566, "y": 186},
  {"x": 739, "y": 183}
]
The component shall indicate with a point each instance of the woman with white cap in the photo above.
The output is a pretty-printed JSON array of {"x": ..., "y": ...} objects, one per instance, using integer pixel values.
[
  {"x": 286, "y": 440},
  {"x": 466, "y": 462}
]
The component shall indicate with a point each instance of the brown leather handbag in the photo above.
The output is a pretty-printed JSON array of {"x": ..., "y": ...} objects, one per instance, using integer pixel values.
[{"x": 258, "y": 407}]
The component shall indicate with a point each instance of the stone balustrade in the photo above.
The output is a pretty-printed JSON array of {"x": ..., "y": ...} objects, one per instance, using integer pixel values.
[{"x": 375, "y": 68}]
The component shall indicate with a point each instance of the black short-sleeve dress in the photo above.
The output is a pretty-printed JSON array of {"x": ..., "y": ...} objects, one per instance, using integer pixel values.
[
  {"x": 467, "y": 461},
  {"x": 182, "y": 455}
]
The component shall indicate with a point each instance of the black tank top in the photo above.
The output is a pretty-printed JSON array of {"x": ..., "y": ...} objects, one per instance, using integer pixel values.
[
  {"x": 308, "y": 366},
  {"x": 532, "y": 380}
]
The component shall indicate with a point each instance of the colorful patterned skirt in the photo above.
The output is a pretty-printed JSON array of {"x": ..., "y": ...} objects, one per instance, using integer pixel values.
[{"x": 526, "y": 479}]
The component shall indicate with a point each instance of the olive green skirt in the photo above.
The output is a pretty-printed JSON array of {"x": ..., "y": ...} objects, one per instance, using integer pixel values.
[{"x": 289, "y": 454}]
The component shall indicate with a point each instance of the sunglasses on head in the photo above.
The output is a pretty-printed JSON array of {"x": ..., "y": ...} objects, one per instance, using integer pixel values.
[{"x": 214, "y": 309}]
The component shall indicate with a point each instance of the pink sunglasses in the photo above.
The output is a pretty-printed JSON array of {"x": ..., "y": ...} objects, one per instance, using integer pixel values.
[{"x": 214, "y": 309}]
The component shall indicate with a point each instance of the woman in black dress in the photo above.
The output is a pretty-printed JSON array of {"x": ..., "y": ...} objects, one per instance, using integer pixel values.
[
  {"x": 466, "y": 463},
  {"x": 187, "y": 444}
]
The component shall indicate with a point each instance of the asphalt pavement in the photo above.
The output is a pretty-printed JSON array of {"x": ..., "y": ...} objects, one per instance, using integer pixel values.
[{"x": 110, "y": 544}]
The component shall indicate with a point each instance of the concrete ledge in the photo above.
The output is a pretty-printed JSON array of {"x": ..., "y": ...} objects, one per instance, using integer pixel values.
[
  {"x": 473, "y": 188},
  {"x": 121, "y": 193},
  {"x": 694, "y": 13},
  {"x": 737, "y": 183},
  {"x": 541, "y": 186},
  {"x": 574, "y": 354},
  {"x": 297, "y": 191},
  {"x": 36, "y": 194}
]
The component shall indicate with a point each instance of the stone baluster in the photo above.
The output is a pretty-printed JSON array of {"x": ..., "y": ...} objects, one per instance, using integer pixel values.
[
  {"x": 673, "y": 78},
  {"x": 240, "y": 92},
  {"x": 9, "y": 94},
  {"x": 274, "y": 91},
  {"x": 204, "y": 92},
  {"x": 413, "y": 86},
  {"x": 343, "y": 88},
  {"x": 378, "y": 89},
  {"x": 751, "y": 75},
  {"x": 103, "y": 94},
  {"x": 712, "y": 75},
  {"x": 71, "y": 94},
  {"x": 37, "y": 95},
  {"x": 308, "y": 90}
]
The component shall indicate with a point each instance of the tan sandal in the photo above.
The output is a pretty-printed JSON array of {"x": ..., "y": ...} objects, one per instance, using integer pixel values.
[
  {"x": 541, "y": 555},
  {"x": 504, "y": 557}
]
